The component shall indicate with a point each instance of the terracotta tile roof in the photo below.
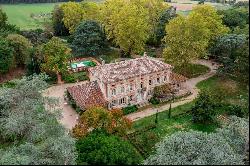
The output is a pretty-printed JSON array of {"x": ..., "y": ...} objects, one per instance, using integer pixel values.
[
  {"x": 177, "y": 78},
  {"x": 128, "y": 69},
  {"x": 87, "y": 95}
]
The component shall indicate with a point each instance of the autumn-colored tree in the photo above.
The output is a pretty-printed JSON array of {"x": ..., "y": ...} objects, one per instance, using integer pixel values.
[
  {"x": 189, "y": 37},
  {"x": 56, "y": 55},
  {"x": 100, "y": 118},
  {"x": 126, "y": 23},
  {"x": 74, "y": 13}
]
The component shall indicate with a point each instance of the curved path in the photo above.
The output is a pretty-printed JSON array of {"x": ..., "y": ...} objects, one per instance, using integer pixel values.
[
  {"x": 191, "y": 84},
  {"x": 69, "y": 115}
]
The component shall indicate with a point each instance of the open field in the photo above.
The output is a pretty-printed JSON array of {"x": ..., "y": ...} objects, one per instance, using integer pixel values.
[{"x": 20, "y": 14}]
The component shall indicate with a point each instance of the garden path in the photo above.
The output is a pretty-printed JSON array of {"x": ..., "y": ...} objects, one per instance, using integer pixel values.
[
  {"x": 69, "y": 115},
  {"x": 191, "y": 84}
]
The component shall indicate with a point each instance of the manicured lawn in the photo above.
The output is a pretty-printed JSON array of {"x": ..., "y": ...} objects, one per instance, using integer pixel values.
[
  {"x": 233, "y": 91},
  {"x": 181, "y": 120},
  {"x": 192, "y": 70},
  {"x": 19, "y": 14}
]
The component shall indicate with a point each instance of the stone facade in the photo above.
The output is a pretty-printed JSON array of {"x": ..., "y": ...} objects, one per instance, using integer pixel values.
[{"x": 130, "y": 82}]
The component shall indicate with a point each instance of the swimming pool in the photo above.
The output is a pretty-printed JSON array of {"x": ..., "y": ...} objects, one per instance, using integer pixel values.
[{"x": 82, "y": 64}]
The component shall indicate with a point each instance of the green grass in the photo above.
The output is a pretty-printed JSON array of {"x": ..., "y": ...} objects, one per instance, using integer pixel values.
[
  {"x": 180, "y": 121},
  {"x": 234, "y": 91},
  {"x": 192, "y": 70},
  {"x": 19, "y": 14}
]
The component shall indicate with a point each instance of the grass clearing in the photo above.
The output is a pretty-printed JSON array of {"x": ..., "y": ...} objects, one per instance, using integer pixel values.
[
  {"x": 192, "y": 70},
  {"x": 20, "y": 14},
  {"x": 233, "y": 91},
  {"x": 180, "y": 120}
]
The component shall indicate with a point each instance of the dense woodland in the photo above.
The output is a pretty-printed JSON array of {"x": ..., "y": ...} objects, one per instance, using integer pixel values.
[{"x": 34, "y": 1}]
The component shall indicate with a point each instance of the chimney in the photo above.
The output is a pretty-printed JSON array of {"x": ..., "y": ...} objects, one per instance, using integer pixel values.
[
  {"x": 145, "y": 54},
  {"x": 103, "y": 62}
]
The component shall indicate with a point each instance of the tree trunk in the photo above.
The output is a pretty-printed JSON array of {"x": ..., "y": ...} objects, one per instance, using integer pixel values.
[{"x": 59, "y": 78}]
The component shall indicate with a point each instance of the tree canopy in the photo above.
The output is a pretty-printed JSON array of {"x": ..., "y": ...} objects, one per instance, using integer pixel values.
[
  {"x": 89, "y": 39},
  {"x": 56, "y": 55},
  {"x": 29, "y": 132},
  {"x": 188, "y": 37},
  {"x": 235, "y": 17},
  {"x": 101, "y": 148},
  {"x": 74, "y": 13},
  {"x": 126, "y": 23},
  {"x": 99, "y": 118},
  {"x": 226, "y": 146},
  {"x": 22, "y": 47},
  {"x": 6, "y": 56}
]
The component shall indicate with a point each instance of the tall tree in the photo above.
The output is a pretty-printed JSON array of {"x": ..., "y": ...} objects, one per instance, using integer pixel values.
[
  {"x": 127, "y": 24},
  {"x": 56, "y": 55},
  {"x": 3, "y": 19},
  {"x": 6, "y": 56},
  {"x": 57, "y": 20},
  {"x": 164, "y": 19},
  {"x": 213, "y": 21},
  {"x": 74, "y": 13},
  {"x": 89, "y": 39},
  {"x": 155, "y": 9},
  {"x": 22, "y": 47},
  {"x": 186, "y": 40},
  {"x": 188, "y": 37}
]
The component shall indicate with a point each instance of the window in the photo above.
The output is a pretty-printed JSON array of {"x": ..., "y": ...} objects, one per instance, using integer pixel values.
[
  {"x": 150, "y": 82},
  {"x": 113, "y": 91},
  {"x": 130, "y": 98},
  {"x": 122, "y": 89},
  {"x": 141, "y": 85},
  {"x": 122, "y": 101},
  {"x": 131, "y": 87},
  {"x": 114, "y": 102},
  {"x": 158, "y": 80}
]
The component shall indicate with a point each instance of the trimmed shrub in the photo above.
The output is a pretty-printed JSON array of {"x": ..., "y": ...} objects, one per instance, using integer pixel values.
[
  {"x": 154, "y": 101},
  {"x": 129, "y": 109}
]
